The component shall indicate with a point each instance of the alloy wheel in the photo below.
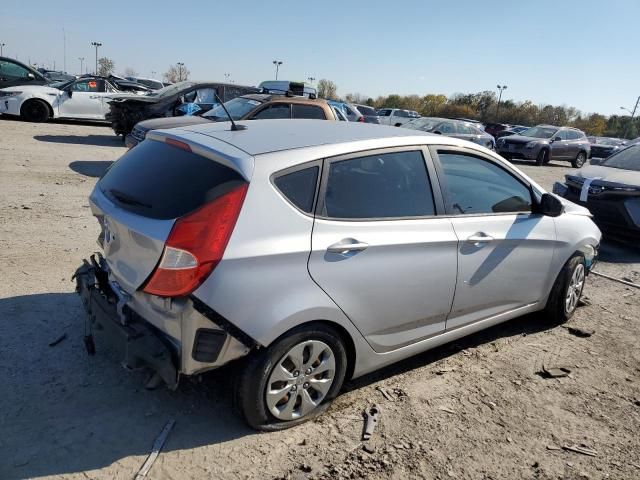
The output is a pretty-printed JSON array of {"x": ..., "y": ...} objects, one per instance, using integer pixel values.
[
  {"x": 300, "y": 380},
  {"x": 574, "y": 289}
]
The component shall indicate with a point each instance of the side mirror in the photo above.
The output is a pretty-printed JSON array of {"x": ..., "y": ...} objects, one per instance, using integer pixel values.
[
  {"x": 596, "y": 161},
  {"x": 556, "y": 139},
  {"x": 69, "y": 92},
  {"x": 31, "y": 76},
  {"x": 550, "y": 205}
]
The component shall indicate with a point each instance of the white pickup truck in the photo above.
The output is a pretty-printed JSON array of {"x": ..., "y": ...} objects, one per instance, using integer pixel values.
[{"x": 396, "y": 116}]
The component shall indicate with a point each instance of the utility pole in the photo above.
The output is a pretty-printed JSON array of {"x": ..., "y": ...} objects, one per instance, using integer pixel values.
[
  {"x": 226, "y": 77},
  {"x": 81, "y": 60},
  {"x": 97, "y": 45},
  {"x": 277, "y": 63},
  {"x": 311, "y": 80},
  {"x": 1, "y": 47},
  {"x": 633, "y": 114},
  {"x": 180, "y": 70},
  {"x": 64, "y": 55},
  {"x": 501, "y": 88}
]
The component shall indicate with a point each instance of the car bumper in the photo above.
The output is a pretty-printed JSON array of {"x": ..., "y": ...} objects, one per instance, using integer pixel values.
[
  {"x": 516, "y": 151},
  {"x": 167, "y": 335},
  {"x": 9, "y": 106}
]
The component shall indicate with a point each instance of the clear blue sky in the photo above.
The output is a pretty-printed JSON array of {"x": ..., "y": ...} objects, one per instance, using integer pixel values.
[{"x": 582, "y": 53}]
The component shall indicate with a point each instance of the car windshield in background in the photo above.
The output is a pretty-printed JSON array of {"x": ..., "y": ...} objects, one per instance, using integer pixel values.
[
  {"x": 238, "y": 108},
  {"x": 539, "y": 132},
  {"x": 171, "y": 89},
  {"x": 609, "y": 141},
  {"x": 627, "y": 159},
  {"x": 424, "y": 124},
  {"x": 59, "y": 85}
]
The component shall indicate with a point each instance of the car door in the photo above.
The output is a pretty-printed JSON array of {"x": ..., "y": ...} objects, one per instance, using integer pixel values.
[
  {"x": 83, "y": 99},
  {"x": 505, "y": 249},
  {"x": 378, "y": 248},
  {"x": 558, "y": 146},
  {"x": 573, "y": 144}
]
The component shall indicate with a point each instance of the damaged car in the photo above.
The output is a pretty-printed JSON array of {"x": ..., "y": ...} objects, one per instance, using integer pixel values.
[
  {"x": 610, "y": 189},
  {"x": 183, "y": 98},
  {"x": 311, "y": 252}
]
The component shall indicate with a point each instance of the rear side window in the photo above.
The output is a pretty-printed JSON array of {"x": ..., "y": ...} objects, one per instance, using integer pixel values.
[
  {"x": 365, "y": 110},
  {"x": 308, "y": 111},
  {"x": 384, "y": 113},
  {"x": 277, "y": 110},
  {"x": 299, "y": 187},
  {"x": 160, "y": 181},
  {"x": 401, "y": 113},
  {"x": 379, "y": 186}
]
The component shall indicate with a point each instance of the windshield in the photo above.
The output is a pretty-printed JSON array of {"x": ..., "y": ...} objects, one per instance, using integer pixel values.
[
  {"x": 627, "y": 159},
  {"x": 60, "y": 85},
  {"x": 424, "y": 124},
  {"x": 238, "y": 108},
  {"x": 171, "y": 89},
  {"x": 609, "y": 141},
  {"x": 539, "y": 132}
]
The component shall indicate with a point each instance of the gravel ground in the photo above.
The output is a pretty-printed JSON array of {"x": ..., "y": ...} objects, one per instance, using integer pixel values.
[{"x": 473, "y": 409}]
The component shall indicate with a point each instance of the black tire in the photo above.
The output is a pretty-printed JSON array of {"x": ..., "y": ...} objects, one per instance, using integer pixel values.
[
  {"x": 398, "y": 125},
  {"x": 579, "y": 161},
  {"x": 35, "y": 110},
  {"x": 556, "y": 309},
  {"x": 251, "y": 384},
  {"x": 543, "y": 157}
]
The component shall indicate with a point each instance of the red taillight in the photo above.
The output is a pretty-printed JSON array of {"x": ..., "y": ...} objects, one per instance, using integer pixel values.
[
  {"x": 361, "y": 119},
  {"x": 196, "y": 245},
  {"x": 177, "y": 143}
]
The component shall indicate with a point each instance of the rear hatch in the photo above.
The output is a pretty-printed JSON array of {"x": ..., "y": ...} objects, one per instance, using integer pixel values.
[{"x": 140, "y": 197}]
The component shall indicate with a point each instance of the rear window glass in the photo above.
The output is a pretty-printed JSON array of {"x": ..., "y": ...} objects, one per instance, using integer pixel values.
[
  {"x": 308, "y": 111},
  {"x": 299, "y": 187},
  {"x": 365, "y": 110},
  {"x": 160, "y": 181}
]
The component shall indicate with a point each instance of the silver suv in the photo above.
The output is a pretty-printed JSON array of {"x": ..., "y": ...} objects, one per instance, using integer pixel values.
[{"x": 318, "y": 252}]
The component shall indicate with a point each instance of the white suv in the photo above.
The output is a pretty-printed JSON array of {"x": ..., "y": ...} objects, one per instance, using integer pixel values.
[{"x": 396, "y": 116}]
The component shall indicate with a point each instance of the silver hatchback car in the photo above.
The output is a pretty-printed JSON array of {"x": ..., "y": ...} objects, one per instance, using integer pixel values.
[{"x": 316, "y": 252}]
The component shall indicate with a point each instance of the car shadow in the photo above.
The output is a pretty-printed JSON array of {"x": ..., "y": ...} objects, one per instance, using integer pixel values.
[
  {"x": 94, "y": 140},
  {"x": 63, "y": 412},
  {"x": 90, "y": 168}
]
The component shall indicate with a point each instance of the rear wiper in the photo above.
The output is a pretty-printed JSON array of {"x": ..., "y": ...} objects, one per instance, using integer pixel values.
[{"x": 125, "y": 198}]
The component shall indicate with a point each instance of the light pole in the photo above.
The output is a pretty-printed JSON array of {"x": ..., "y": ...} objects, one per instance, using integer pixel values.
[
  {"x": 501, "y": 88},
  {"x": 153, "y": 74},
  {"x": 97, "y": 45},
  {"x": 180, "y": 70},
  {"x": 277, "y": 63},
  {"x": 1, "y": 47},
  {"x": 311, "y": 80},
  {"x": 226, "y": 77},
  {"x": 81, "y": 61},
  {"x": 633, "y": 114}
]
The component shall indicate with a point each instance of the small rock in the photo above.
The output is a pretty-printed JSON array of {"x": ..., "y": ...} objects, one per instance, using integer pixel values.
[
  {"x": 368, "y": 448},
  {"x": 306, "y": 468},
  {"x": 303, "y": 442},
  {"x": 509, "y": 439}
]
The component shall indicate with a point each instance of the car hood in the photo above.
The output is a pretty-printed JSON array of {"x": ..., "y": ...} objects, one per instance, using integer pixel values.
[
  {"x": 31, "y": 88},
  {"x": 607, "y": 175},
  {"x": 573, "y": 208},
  {"x": 170, "y": 122}
]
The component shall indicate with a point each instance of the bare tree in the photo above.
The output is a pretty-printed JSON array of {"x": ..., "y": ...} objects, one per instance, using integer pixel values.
[
  {"x": 327, "y": 89},
  {"x": 105, "y": 66},
  {"x": 356, "y": 98},
  {"x": 130, "y": 72},
  {"x": 177, "y": 73}
]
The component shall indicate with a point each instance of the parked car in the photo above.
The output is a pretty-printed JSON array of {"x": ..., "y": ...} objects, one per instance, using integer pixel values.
[
  {"x": 395, "y": 116},
  {"x": 84, "y": 98},
  {"x": 493, "y": 128},
  {"x": 545, "y": 143},
  {"x": 452, "y": 128},
  {"x": 56, "y": 76},
  {"x": 610, "y": 189},
  {"x": 512, "y": 130},
  {"x": 14, "y": 73},
  {"x": 182, "y": 98},
  {"x": 369, "y": 113},
  {"x": 275, "y": 247},
  {"x": 150, "y": 83},
  {"x": 602, "y": 147},
  {"x": 255, "y": 106}
]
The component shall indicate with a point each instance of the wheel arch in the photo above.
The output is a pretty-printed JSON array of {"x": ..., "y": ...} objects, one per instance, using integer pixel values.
[{"x": 44, "y": 100}]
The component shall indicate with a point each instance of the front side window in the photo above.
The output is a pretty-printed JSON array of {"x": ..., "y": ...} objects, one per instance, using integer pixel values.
[
  {"x": 277, "y": 110},
  {"x": 308, "y": 111},
  {"x": 402, "y": 113},
  {"x": 466, "y": 129},
  {"x": 299, "y": 187},
  {"x": 446, "y": 128},
  {"x": 390, "y": 185},
  {"x": 12, "y": 70},
  {"x": 89, "y": 85},
  {"x": 384, "y": 113},
  {"x": 561, "y": 135},
  {"x": 477, "y": 186}
]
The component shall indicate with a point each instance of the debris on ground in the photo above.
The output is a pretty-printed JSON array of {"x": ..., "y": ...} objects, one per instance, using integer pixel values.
[
  {"x": 385, "y": 394},
  {"x": 155, "y": 450},
  {"x": 580, "y": 449},
  {"x": 554, "y": 372},
  {"x": 371, "y": 416},
  {"x": 446, "y": 409},
  {"x": 442, "y": 371},
  {"x": 553, "y": 447},
  {"x": 58, "y": 340},
  {"x": 579, "y": 332}
]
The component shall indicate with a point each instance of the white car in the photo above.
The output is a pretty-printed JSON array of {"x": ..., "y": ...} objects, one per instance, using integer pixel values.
[
  {"x": 396, "y": 116},
  {"x": 85, "y": 98}
]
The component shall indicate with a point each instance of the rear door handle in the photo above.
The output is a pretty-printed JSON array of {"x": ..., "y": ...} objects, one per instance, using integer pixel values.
[
  {"x": 479, "y": 238},
  {"x": 347, "y": 245}
]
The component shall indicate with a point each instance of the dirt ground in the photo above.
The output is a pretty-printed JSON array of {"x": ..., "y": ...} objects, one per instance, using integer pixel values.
[{"x": 474, "y": 409}]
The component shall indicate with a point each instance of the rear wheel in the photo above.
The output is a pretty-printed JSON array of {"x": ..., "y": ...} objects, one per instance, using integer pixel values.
[
  {"x": 293, "y": 380},
  {"x": 543, "y": 157},
  {"x": 35, "y": 111},
  {"x": 579, "y": 160},
  {"x": 566, "y": 290}
]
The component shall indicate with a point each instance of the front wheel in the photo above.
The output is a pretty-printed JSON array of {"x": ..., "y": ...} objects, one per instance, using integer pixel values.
[
  {"x": 566, "y": 291},
  {"x": 579, "y": 160},
  {"x": 542, "y": 158},
  {"x": 293, "y": 380},
  {"x": 35, "y": 111}
]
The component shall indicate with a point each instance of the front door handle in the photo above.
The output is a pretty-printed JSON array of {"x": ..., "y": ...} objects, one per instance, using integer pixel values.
[
  {"x": 347, "y": 245},
  {"x": 479, "y": 238}
]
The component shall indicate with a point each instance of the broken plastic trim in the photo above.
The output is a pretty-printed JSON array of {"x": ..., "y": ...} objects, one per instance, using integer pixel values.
[{"x": 223, "y": 323}]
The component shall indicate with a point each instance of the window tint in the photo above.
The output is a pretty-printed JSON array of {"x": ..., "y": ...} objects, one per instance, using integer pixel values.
[
  {"x": 299, "y": 187},
  {"x": 308, "y": 111},
  {"x": 401, "y": 113},
  {"x": 10, "y": 69},
  {"x": 89, "y": 85},
  {"x": 562, "y": 135},
  {"x": 157, "y": 180},
  {"x": 365, "y": 110},
  {"x": 277, "y": 110},
  {"x": 206, "y": 95},
  {"x": 466, "y": 129},
  {"x": 474, "y": 185},
  {"x": 446, "y": 128},
  {"x": 379, "y": 186},
  {"x": 384, "y": 113}
]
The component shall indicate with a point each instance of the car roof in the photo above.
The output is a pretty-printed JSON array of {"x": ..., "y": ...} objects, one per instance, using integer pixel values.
[{"x": 266, "y": 136}]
